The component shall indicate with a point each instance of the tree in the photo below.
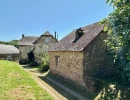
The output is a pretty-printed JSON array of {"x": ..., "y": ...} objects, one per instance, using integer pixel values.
[
  {"x": 13, "y": 42},
  {"x": 118, "y": 41}
]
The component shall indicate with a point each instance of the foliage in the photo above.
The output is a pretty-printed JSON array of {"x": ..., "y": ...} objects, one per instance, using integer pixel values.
[
  {"x": 17, "y": 84},
  {"x": 109, "y": 89},
  {"x": 13, "y": 42},
  {"x": 118, "y": 27},
  {"x": 44, "y": 61}
]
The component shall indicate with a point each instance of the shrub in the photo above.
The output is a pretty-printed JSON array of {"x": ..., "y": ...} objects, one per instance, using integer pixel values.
[{"x": 44, "y": 61}]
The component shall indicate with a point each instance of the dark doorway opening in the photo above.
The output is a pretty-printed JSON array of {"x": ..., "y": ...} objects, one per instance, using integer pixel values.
[{"x": 31, "y": 56}]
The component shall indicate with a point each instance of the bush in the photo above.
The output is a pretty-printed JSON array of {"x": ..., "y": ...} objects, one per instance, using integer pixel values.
[{"x": 44, "y": 62}]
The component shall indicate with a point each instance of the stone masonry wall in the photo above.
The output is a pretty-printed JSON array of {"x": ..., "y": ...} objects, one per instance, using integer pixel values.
[
  {"x": 97, "y": 63},
  {"x": 70, "y": 65},
  {"x": 23, "y": 51},
  {"x": 43, "y": 45},
  {"x": 12, "y": 57}
]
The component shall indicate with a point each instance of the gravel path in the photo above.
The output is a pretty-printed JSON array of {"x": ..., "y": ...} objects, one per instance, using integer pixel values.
[{"x": 51, "y": 90}]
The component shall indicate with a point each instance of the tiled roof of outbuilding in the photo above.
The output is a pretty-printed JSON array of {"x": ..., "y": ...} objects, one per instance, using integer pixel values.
[
  {"x": 68, "y": 44},
  {"x": 27, "y": 40},
  {"x": 8, "y": 49}
]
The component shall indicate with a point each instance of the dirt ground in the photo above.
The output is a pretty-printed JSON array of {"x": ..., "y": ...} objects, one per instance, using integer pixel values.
[{"x": 63, "y": 93}]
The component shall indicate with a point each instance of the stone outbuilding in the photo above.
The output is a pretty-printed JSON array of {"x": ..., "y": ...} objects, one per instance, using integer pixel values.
[
  {"x": 9, "y": 52},
  {"x": 81, "y": 57},
  {"x": 25, "y": 46},
  {"x": 45, "y": 42},
  {"x": 35, "y": 45}
]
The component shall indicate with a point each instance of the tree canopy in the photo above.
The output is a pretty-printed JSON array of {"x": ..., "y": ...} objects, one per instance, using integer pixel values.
[
  {"x": 118, "y": 41},
  {"x": 13, "y": 42}
]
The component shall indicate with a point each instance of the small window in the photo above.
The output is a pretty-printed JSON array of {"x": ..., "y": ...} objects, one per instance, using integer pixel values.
[
  {"x": 9, "y": 57},
  {"x": 57, "y": 60},
  {"x": 46, "y": 40}
]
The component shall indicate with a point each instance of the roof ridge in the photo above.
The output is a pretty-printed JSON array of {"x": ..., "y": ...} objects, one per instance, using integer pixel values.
[
  {"x": 66, "y": 43},
  {"x": 47, "y": 33}
]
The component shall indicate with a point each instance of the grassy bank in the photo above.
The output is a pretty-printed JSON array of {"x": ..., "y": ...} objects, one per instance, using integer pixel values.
[{"x": 16, "y": 84}]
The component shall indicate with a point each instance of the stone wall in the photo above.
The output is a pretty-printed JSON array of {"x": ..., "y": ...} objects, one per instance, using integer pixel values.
[
  {"x": 23, "y": 52},
  {"x": 70, "y": 65},
  {"x": 97, "y": 63},
  {"x": 11, "y": 57},
  {"x": 42, "y": 45}
]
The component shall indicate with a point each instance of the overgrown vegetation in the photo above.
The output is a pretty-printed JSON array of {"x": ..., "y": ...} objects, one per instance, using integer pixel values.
[
  {"x": 16, "y": 84},
  {"x": 110, "y": 90},
  {"x": 43, "y": 61},
  {"x": 13, "y": 42},
  {"x": 118, "y": 41}
]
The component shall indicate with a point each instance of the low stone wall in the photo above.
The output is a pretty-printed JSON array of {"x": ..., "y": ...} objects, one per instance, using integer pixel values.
[
  {"x": 70, "y": 65},
  {"x": 12, "y": 57}
]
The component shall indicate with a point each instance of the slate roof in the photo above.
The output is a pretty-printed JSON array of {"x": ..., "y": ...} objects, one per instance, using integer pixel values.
[
  {"x": 28, "y": 40},
  {"x": 46, "y": 33},
  {"x": 8, "y": 49},
  {"x": 68, "y": 44}
]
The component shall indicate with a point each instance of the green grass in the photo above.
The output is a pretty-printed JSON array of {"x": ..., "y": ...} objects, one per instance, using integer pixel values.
[{"x": 16, "y": 84}]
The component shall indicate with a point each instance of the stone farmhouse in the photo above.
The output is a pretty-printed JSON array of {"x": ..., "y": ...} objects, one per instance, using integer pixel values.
[
  {"x": 9, "y": 52},
  {"x": 35, "y": 45},
  {"x": 45, "y": 42},
  {"x": 81, "y": 57}
]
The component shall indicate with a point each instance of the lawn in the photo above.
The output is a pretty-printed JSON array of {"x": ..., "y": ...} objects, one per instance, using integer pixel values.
[{"x": 16, "y": 84}]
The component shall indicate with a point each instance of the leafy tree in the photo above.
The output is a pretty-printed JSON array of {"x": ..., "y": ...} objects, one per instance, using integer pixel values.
[
  {"x": 13, "y": 42},
  {"x": 118, "y": 27}
]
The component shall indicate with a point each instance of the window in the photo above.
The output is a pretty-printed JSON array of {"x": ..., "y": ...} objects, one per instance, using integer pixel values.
[
  {"x": 9, "y": 57},
  {"x": 46, "y": 40},
  {"x": 57, "y": 60}
]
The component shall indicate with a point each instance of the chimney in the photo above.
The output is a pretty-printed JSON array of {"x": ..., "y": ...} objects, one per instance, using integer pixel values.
[
  {"x": 78, "y": 34},
  {"x": 55, "y": 34},
  {"x": 22, "y": 35},
  {"x": 57, "y": 37}
]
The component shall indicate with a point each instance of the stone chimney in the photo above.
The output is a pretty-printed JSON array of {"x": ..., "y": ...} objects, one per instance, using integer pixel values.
[
  {"x": 22, "y": 35},
  {"x": 57, "y": 37},
  {"x": 78, "y": 34},
  {"x": 55, "y": 34}
]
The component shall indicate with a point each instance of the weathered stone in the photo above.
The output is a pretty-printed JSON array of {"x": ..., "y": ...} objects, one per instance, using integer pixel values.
[
  {"x": 24, "y": 50},
  {"x": 43, "y": 44},
  {"x": 70, "y": 65},
  {"x": 84, "y": 67},
  {"x": 12, "y": 57},
  {"x": 36, "y": 44}
]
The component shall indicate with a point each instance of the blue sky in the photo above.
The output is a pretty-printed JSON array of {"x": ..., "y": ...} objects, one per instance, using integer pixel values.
[{"x": 34, "y": 17}]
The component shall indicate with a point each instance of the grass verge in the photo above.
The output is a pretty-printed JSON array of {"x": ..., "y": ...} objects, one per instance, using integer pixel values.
[{"x": 16, "y": 84}]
